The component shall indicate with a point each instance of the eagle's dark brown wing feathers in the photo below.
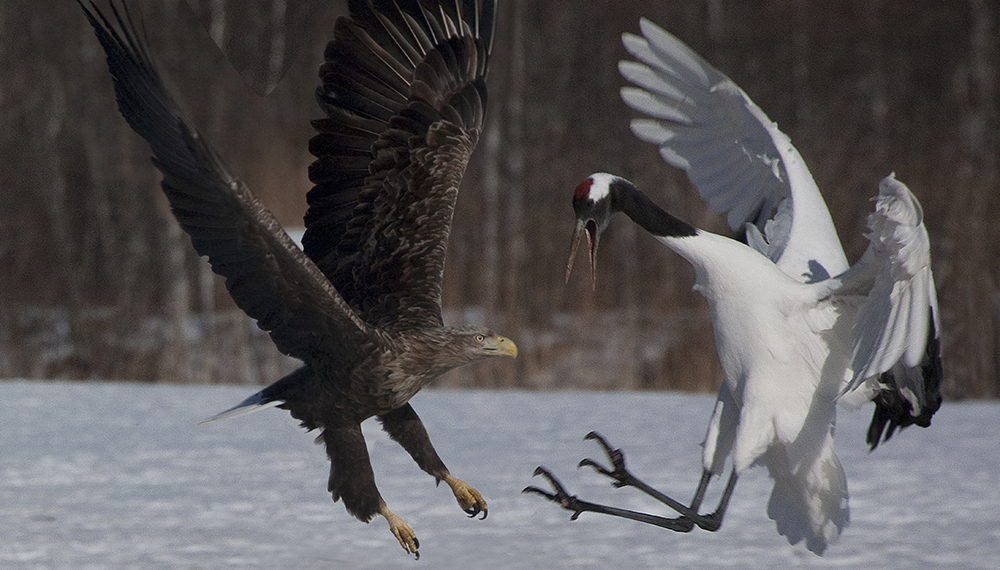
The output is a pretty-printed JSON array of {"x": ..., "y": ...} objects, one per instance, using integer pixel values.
[
  {"x": 404, "y": 94},
  {"x": 401, "y": 293},
  {"x": 266, "y": 274},
  {"x": 406, "y": 83}
]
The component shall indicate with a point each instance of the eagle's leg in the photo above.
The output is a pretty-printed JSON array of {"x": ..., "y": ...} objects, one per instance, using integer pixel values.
[
  {"x": 402, "y": 531},
  {"x": 352, "y": 479},
  {"x": 468, "y": 498},
  {"x": 404, "y": 427}
]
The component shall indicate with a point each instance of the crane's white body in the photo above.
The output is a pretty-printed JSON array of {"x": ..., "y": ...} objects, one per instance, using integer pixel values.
[
  {"x": 797, "y": 330},
  {"x": 785, "y": 359}
]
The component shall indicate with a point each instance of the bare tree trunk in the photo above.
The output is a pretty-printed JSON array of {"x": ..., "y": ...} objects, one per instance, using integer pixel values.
[{"x": 276, "y": 59}]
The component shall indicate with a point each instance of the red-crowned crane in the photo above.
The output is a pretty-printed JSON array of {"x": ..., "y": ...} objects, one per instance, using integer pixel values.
[{"x": 797, "y": 330}]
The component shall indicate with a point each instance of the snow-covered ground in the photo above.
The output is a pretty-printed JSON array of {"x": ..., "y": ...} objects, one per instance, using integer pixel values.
[{"x": 102, "y": 475}]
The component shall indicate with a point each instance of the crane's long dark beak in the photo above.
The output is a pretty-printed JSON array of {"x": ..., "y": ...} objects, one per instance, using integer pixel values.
[{"x": 588, "y": 228}]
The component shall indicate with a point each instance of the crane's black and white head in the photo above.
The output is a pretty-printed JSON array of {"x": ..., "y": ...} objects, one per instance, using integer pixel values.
[{"x": 592, "y": 202}]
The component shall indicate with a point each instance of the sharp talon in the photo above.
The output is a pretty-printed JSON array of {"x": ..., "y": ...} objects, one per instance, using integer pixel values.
[
  {"x": 616, "y": 456},
  {"x": 533, "y": 489},
  {"x": 596, "y": 467},
  {"x": 551, "y": 478},
  {"x": 560, "y": 496},
  {"x": 469, "y": 500},
  {"x": 618, "y": 472},
  {"x": 604, "y": 443},
  {"x": 402, "y": 531}
]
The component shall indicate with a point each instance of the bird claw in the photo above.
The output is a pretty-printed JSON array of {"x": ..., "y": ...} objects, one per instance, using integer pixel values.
[
  {"x": 469, "y": 499},
  {"x": 402, "y": 531},
  {"x": 622, "y": 476},
  {"x": 560, "y": 496}
]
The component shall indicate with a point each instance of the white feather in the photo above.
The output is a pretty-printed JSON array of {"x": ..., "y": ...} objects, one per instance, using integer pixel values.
[
  {"x": 797, "y": 330},
  {"x": 738, "y": 159},
  {"x": 894, "y": 321},
  {"x": 252, "y": 404}
]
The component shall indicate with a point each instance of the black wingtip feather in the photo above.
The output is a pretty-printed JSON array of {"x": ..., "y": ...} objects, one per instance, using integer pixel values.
[{"x": 893, "y": 411}]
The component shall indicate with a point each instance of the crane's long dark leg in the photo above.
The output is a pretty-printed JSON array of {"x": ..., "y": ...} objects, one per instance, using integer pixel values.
[
  {"x": 404, "y": 427},
  {"x": 352, "y": 479},
  {"x": 624, "y": 478},
  {"x": 578, "y": 506}
]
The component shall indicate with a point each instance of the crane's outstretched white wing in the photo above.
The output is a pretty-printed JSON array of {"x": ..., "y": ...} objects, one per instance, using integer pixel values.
[
  {"x": 896, "y": 344},
  {"x": 738, "y": 159},
  {"x": 900, "y": 308}
]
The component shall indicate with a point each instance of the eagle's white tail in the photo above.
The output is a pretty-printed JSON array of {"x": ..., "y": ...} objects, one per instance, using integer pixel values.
[{"x": 252, "y": 404}]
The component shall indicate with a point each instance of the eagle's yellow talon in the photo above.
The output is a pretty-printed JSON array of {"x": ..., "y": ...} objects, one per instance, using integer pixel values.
[
  {"x": 468, "y": 498},
  {"x": 402, "y": 531}
]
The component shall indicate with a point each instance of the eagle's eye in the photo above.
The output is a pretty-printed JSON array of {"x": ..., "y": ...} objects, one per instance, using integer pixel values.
[{"x": 480, "y": 338}]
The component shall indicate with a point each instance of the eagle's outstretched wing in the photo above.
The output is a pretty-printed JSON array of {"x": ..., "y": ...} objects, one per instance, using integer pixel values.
[
  {"x": 266, "y": 274},
  {"x": 404, "y": 93}
]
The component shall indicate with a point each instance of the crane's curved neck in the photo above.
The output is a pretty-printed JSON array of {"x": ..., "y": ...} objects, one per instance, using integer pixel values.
[{"x": 628, "y": 199}]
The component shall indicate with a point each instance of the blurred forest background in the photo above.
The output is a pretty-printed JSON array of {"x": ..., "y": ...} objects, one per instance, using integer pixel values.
[{"x": 99, "y": 282}]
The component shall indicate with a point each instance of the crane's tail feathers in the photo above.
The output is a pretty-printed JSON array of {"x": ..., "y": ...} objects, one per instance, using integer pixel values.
[
  {"x": 810, "y": 502},
  {"x": 254, "y": 403}
]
